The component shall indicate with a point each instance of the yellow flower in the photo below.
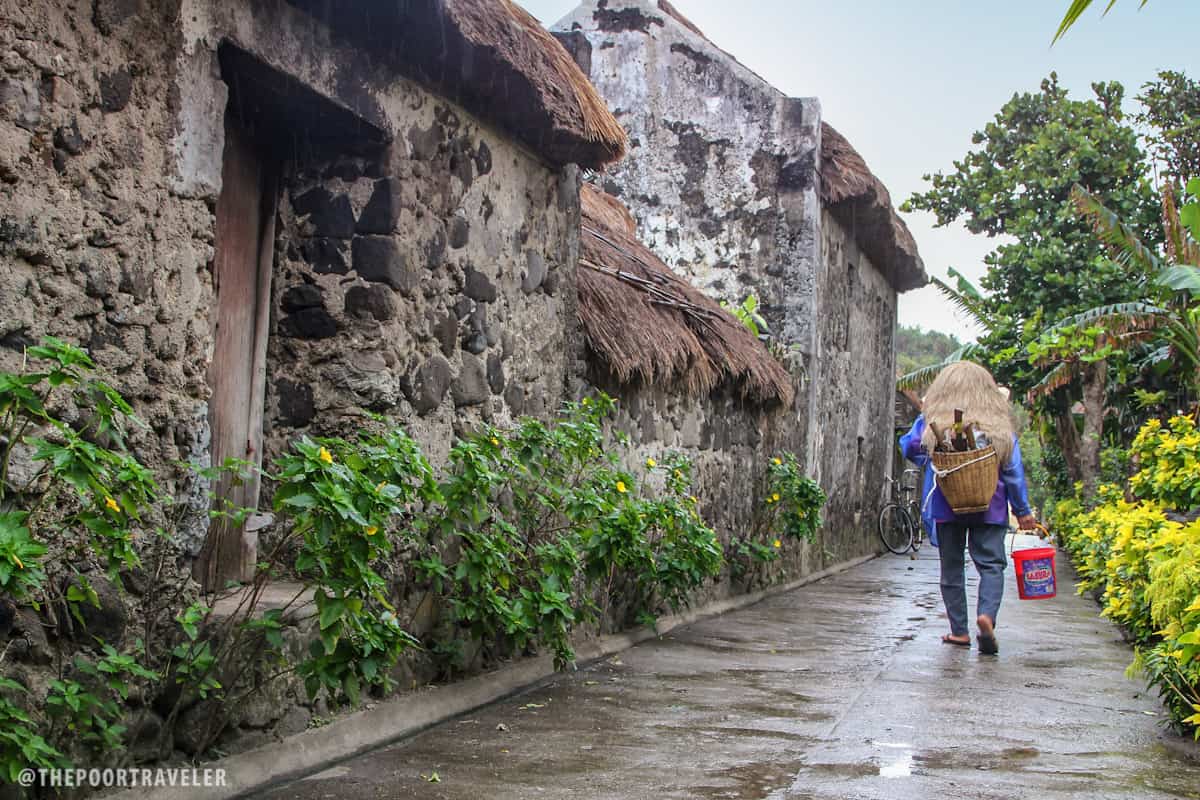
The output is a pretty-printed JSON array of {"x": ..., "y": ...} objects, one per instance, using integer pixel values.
[
  {"x": 112, "y": 505},
  {"x": 775, "y": 497},
  {"x": 651, "y": 463},
  {"x": 693, "y": 498},
  {"x": 20, "y": 564},
  {"x": 621, "y": 487},
  {"x": 777, "y": 544},
  {"x": 495, "y": 441},
  {"x": 777, "y": 462},
  {"x": 372, "y": 530},
  {"x": 678, "y": 474},
  {"x": 325, "y": 455},
  {"x": 587, "y": 401}
]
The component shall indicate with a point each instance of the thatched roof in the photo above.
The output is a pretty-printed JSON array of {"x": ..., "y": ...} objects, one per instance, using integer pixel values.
[
  {"x": 860, "y": 202},
  {"x": 648, "y": 325},
  {"x": 495, "y": 59}
]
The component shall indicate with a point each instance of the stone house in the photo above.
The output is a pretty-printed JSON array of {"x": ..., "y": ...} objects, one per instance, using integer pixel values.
[
  {"x": 265, "y": 218},
  {"x": 742, "y": 190}
]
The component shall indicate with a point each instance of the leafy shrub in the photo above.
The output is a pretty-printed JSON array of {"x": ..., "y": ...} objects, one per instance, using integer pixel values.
[
  {"x": 542, "y": 514},
  {"x": 1145, "y": 564},
  {"x": 790, "y": 509},
  {"x": 1168, "y": 461}
]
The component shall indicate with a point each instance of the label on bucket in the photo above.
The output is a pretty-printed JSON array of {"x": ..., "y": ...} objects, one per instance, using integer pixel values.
[{"x": 1038, "y": 576}]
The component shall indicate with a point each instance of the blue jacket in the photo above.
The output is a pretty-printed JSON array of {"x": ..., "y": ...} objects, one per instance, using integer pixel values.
[{"x": 1010, "y": 488}]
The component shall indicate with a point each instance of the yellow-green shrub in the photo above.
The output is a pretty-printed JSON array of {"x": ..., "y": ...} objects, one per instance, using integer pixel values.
[
  {"x": 1144, "y": 565},
  {"x": 1168, "y": 461}
]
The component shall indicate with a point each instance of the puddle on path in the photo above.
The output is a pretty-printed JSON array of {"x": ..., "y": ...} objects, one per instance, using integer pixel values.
[{"x": 749, "y": 781}]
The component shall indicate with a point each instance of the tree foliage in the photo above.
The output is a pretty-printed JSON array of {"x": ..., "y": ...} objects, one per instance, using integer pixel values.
[
  {"x": 1171, "y": 113},
  {"x": 916, "y": 347},
  {"x": 1016, "y": 183}
]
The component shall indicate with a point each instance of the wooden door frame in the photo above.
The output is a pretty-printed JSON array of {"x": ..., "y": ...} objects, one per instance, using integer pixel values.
[{"x": 242, "y": 268}]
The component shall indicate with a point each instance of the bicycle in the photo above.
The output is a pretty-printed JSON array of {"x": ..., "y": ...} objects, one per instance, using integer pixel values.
[{"x": 900, "y": 519}]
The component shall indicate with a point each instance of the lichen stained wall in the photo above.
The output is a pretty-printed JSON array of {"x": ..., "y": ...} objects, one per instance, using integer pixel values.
[
  {"x": 97, "y": 247},
  {"x": 712, "y": 147},
  {"x": 854, "y": 384}
]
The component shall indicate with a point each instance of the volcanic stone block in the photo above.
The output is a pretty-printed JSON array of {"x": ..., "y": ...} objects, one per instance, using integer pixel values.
[
  {"x": 535, "y": 272},
  {"x": 446, "y": 332},
  {"x": 311, "y": 323},
  {"x": 514, "y": 397},
  {"x": 483, "y": 159},
  {"x": 471, "y": 386},
  {"x": 326, "y": 256},
  {"x": 107, "y": 15},
  {"x": 115, "y": 89},
  {"x": 379, "y": 259},
  {"x": 475, "y": 343},
  {"x": 495, "y": 373},
  {"x": 383, "y": 209},
  {"x": 68, "y": 138},
  {"x": 430, "y": 383},
  {"x": 460, "y": 232},
  {"x": 478, "y": 287},
  {"x": 330, "y": 214},
  {"x": 107, "y": 619},
  {"x": 305, "y": 295},
  {"x": 370, "y": 301},
  {"x": 296, "y": 407},
  {"x": 435, "y": 249}
]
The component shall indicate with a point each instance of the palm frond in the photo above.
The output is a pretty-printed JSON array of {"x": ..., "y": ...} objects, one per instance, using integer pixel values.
[
  {"x": 1121, "y": 240},
  {"x": 1180, "y": 278},
  {"x": 1156, "y": 356},
  {"x": 1054, "y": 380},
  {"x": 1075, "y": 11},
  {"x": 1115, "y": 318},
  {"x": 966, "y": 298},
  {"x": 920, "y": 378}
]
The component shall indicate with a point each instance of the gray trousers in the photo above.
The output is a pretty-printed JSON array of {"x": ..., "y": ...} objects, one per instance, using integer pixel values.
[{"x": 986, "y": 543}]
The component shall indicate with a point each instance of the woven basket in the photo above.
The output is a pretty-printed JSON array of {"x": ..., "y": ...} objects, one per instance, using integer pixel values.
[{"x": 967, "y": 479}]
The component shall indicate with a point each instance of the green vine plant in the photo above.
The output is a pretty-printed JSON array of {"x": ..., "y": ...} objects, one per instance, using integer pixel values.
[
  {"x": 84, "y": 493},
  {"x": 532, "y": 532},
  {"x": 541, "y": 518},
  {"x": 790, "y": 510}
]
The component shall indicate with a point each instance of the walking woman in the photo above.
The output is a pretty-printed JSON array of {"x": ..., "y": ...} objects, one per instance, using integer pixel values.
[{"x": 971, "y": 388}]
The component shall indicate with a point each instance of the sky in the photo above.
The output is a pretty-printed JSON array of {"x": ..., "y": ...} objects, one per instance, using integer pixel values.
[{"x": 909, "y": 82}]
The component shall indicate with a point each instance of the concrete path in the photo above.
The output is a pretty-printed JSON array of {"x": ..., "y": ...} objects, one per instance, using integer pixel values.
[{"x": 840, "y": 689}]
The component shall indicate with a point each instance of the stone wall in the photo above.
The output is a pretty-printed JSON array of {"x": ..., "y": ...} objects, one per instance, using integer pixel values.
[
  {"x": 722, "y": 177},
  {"x": 854, "y": 390},
  {"x": 730, "y": 442},
  {"x": 433, "y": 284},
  {"x": 96, "y": 247},
  {"x": 721, "y": 170}
]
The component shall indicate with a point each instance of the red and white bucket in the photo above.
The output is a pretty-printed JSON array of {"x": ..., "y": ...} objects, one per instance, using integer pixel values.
[{"x": 1036, "y": 577}]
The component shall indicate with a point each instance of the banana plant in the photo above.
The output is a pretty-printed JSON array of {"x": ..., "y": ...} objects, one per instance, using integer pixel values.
[{"x": 1174, "y": 320}]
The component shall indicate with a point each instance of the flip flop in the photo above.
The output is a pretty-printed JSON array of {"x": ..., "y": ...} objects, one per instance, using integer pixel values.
[
  {"x": 987, "y": 639},
  {"x": 956, "y": 642}
]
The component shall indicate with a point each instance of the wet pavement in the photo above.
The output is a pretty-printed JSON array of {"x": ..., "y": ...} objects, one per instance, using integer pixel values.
[{"x": 839, "y": 689}]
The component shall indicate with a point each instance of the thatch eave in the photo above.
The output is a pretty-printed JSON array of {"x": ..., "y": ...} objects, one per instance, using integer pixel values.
[
  {"x": 646, "y": 325},
  {"x": 861, "y": 203},
  {"x": 493, "y": 58}
]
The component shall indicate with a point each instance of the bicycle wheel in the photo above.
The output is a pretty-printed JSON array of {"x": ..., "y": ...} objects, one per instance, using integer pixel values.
[{"x": 895, "y": 528}]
